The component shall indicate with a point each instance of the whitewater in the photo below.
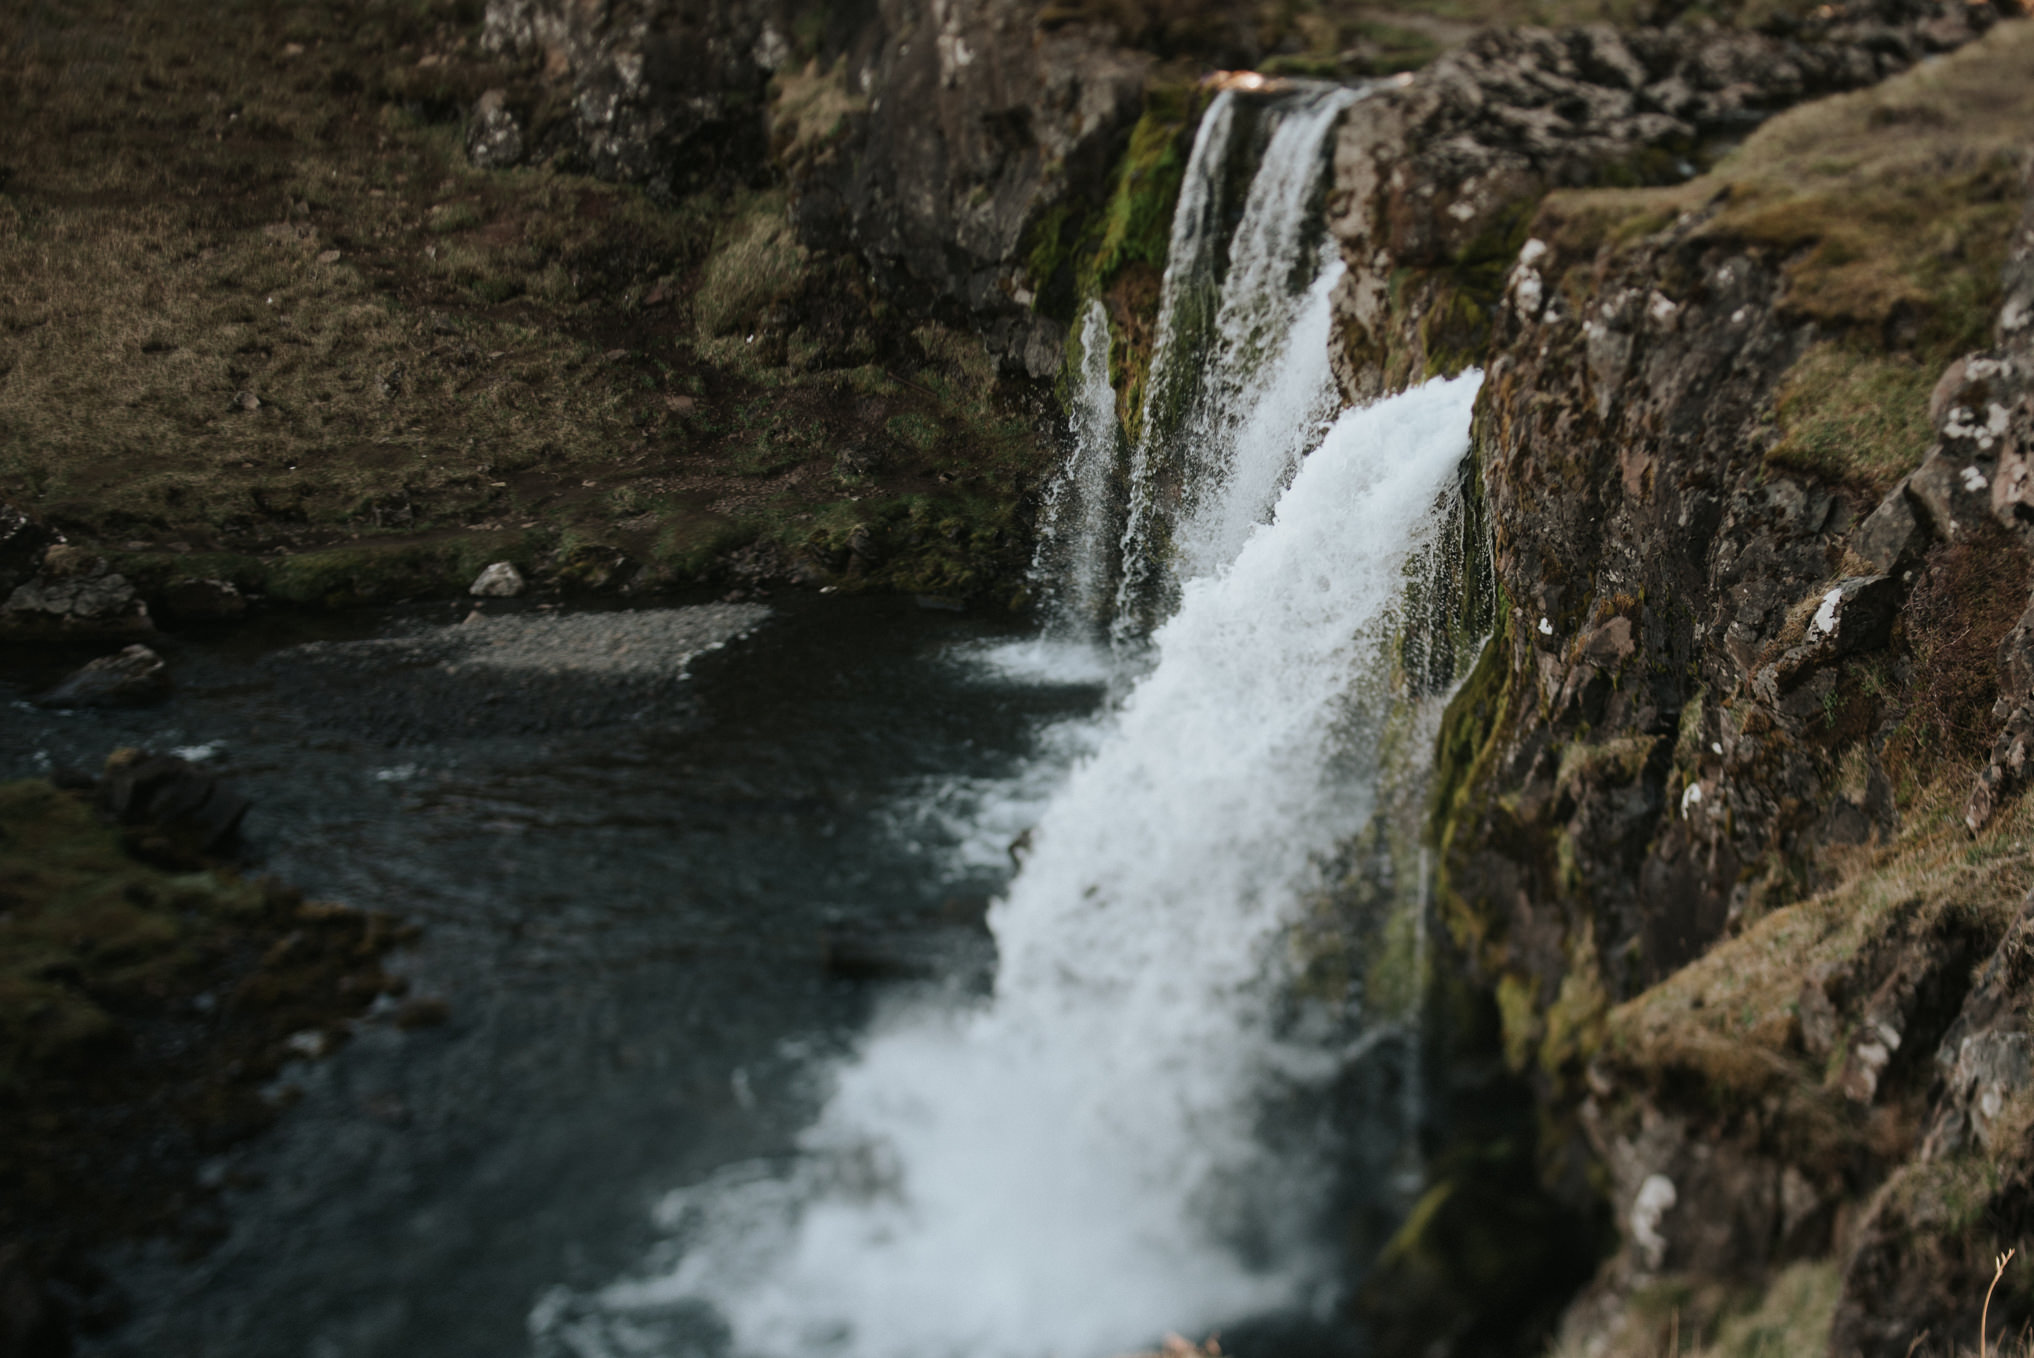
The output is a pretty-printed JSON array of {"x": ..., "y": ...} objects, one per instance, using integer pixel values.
[{"x": 1074, "y": 1167}]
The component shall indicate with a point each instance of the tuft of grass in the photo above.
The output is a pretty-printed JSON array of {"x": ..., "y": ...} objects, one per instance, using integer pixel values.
[
  {"x": 755, "y": 262},
  {"x": 1851, "y": 413},
  {"x": 1728, "y": 1018},
  {"x": 1965, "y": 600}
]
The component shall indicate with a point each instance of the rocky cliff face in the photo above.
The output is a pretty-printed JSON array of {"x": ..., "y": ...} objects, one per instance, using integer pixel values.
[
  {"x": 1728, "y": 824},
  {"x": 924, "y": 138},
  {"x": 1437, "y": 175}
]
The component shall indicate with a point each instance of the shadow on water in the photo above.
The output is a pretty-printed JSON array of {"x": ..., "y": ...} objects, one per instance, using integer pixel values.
[{"x": 655, "y": 921}]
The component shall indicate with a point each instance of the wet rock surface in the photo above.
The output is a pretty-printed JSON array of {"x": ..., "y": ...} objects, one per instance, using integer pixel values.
[{"x": 135, "y": 677}]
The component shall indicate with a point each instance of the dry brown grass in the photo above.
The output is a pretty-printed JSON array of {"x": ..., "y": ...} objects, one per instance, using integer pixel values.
[
  {"x": 1729, "y": 1017},
  {"x": 1889, "y": 211},
  {"x": 245, "y": 198}
]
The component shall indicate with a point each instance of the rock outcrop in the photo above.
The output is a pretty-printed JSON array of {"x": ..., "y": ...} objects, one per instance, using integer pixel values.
[
  {"x": 924, "y": 138},
  {"x": 1706, "y": 805},
  {"x": 74, "y": 593},
  {"x": 135, "y": 677},
  {"x": 1437, "y": 174}
]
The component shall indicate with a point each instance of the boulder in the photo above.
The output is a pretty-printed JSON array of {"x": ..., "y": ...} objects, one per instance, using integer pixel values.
[
  {"x": 181, "y": 810},
  {"x": 1893, "y": 537},
  {"x": 135, "y": 677},
  {"x": 75, "y": 592},
  {"x": 499, "y": 581},
  {"x": 494, "y": 140}
]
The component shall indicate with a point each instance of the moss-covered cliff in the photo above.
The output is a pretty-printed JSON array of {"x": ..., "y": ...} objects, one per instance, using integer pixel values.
[{"x": 1727, "y": 817}]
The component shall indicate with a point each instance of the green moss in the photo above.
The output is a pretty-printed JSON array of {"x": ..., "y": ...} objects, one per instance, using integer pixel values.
[
  {"x": 1136, "y": 222},
  {"x": 380, "y": 572},
  {"x": 1853, "y": 416},
  {"x": 1073, "y": 251},
  {"x": 1518, "y": 1008},
  {"x": 1793, "y": 1315},
  {"x": 1469, "y": 728},
  {"x": 1575, "y": 1022},
  {"x": 915, "y": 430},
  {"x": 85, "y": 924},
  {"x": 1612, "y": 761},
  {"x": 1117, "y": 251}
]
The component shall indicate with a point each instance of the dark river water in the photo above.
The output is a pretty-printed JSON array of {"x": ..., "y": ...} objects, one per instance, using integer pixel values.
[{"x": 656, "y": 930}]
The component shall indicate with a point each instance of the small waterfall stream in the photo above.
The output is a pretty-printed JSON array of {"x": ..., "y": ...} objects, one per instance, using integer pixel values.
[
  {"x": 1075, "y": 568},
  {"x": 1084, "y": 1160}
]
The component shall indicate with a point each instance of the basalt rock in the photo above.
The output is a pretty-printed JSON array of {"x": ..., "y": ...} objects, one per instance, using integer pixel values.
[
  {"x": 176, "y": 812},
  {"x": 1436, "y": 174},
  {"x": 664, "y": 94},
  {"x": 1722, "y": 667},
  {"x": 74, "y": 594},
  {"x": 135, "y": 677},
  {"x": 925, "y": 138}
]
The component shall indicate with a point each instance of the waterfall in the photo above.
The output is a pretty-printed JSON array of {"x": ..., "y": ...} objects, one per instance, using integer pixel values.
[
  {"x": 1074, "y": 1166},
  {"x": 1132, "y": 1133},
  {"x": 1240, "y": 387},
  {"x": 1074, "y": 568}
]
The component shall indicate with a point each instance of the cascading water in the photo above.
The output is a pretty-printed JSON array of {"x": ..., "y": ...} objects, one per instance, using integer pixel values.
[
  {"x": 1075, "y": 564},
  {"x": 1240, "y": 388},
  {"x": 1080, "y": 1162}
]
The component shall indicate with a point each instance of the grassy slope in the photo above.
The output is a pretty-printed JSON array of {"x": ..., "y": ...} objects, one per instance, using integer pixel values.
[
  {"x": 273, "y": 200},
  {"x": 1892, "y": 209}
]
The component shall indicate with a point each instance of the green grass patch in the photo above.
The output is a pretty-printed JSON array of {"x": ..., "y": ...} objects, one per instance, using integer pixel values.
[{"x": 1850, "y": 415}]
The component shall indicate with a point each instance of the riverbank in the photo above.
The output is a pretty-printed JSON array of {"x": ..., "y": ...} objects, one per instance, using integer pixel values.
[{"x": 150, "y": 994}]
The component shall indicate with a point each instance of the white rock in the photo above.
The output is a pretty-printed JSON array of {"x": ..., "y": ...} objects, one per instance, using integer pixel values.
[
  {"x": 499, "y": 581},
  {"x": 1656, "y": 1197}
]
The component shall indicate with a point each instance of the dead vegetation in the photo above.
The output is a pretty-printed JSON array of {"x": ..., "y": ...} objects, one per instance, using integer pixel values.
[{"x": 254, "y": 302}]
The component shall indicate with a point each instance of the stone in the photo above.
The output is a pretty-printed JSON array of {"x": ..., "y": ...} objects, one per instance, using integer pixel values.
[
  {"x": 1892, "y": 537},
  {"x": 75, "y": 593},
  {"x": 204, "y": 600},
  {"x": 135, "y": 677},
  {"x": 494, "y": 138},
  {"x": 1857, "y": 615},
  {"x": 22, "y": 543},
  {"x": 186, "y": 810},
  {"x": 245, "y": 401},
  {"x": 499, "y": 581}
]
